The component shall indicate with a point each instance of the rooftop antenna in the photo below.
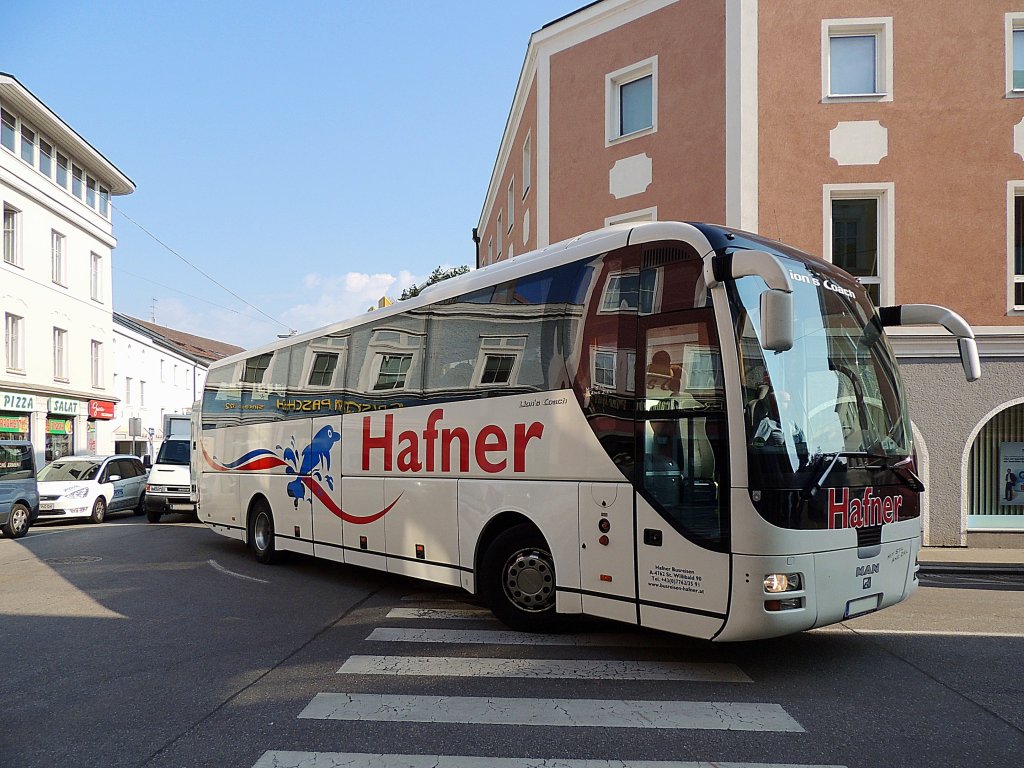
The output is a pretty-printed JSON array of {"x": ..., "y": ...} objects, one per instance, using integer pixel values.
[{"x": 152, "y": 312}]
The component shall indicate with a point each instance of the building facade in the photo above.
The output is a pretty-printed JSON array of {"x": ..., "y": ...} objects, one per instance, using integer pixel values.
[
  {"x": 56, "y": 381},
  {"x": 157, "y": 371},
  {"x": 885, "y": 137}
]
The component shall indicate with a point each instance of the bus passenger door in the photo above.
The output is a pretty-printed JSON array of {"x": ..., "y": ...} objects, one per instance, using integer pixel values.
[{"x": 682, "y": 478}]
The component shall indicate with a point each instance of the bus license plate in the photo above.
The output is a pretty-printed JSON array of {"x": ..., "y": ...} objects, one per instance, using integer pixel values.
[{"x": 861, "y": 605}]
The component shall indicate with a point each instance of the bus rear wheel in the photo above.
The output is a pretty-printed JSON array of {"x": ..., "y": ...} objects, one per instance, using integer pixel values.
[
  {"x": 261, "y": 533},
  {"x": 518, "y": 580}
]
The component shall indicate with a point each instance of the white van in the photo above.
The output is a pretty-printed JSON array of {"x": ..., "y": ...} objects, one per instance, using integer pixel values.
[{"x": 170, "y": 480}]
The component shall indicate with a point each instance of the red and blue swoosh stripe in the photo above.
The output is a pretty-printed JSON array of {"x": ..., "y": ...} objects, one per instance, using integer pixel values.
[{"x": 262, "y": 458}]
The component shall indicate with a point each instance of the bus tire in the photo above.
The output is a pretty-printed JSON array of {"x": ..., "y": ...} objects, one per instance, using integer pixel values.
[
  {"x": 261, "y": 533},
  {"x": 518, "y": 580}
]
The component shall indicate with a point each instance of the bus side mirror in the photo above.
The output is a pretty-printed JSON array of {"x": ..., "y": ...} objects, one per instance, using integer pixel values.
[
  {"x": 969, "y": 358},
  {"x": 932, "y": 314},
  {"x": 777, "y": 320}
]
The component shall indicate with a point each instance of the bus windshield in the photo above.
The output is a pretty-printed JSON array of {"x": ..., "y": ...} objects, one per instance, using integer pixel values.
[{"x": 836, "y": 392}]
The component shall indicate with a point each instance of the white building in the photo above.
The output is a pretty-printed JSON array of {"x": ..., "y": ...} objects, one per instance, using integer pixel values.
[
  {"x": 157, "y": 371},
  {"x": 56, "y": 378}
]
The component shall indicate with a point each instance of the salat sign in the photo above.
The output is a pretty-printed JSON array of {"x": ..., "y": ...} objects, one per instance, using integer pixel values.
[
  {"x": 445, "y": 448},
  {"x": 847, "y": 511}
]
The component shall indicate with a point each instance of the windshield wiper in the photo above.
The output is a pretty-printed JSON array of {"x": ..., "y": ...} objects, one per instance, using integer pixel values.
[
  {"x": 902, "y": 471},
  {"x": 812, "y": 490}
]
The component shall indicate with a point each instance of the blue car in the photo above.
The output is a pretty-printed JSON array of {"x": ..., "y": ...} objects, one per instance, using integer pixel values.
[{"x": 19, "y": 493}]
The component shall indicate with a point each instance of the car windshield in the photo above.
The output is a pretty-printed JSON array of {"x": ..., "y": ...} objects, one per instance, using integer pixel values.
[
  {"x": 173, "y": 452},
  {"x": 837, "y": 391},
  {"x": 63, "y": 471}
]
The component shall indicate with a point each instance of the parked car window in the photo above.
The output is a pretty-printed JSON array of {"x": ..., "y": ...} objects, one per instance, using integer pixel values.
[
  {"x": 70, "y": 470},
  {"x": 15, "y": 462}
]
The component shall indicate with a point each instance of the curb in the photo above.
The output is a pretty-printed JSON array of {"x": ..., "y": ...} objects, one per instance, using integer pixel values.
[{"x": 1003, "y": 569}]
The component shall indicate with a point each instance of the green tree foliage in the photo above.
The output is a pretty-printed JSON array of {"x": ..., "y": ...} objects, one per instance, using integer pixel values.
[{"x": 439, "y": 274}]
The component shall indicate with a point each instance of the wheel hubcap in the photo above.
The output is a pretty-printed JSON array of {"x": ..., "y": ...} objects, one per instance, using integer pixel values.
[
  {"x": 530, "y": 580},
  {"x": 20, "y": 519},
  {"x": 262, "y": 531}
]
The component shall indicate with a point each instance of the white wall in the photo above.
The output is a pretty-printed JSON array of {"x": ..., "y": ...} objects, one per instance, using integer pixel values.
[
  {"x": 28, "y": 291},
  {"x": 172, "y": 384}
]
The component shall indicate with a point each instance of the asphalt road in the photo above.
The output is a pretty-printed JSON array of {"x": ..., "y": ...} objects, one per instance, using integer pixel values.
[{"x": 130, "y": 644}]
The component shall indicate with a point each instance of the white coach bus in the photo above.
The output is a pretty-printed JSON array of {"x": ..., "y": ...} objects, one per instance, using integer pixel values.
[{"x": 672, "y": 425}]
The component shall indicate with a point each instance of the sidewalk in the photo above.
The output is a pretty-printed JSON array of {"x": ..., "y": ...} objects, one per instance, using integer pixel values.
[{"x": 971, "y": 560}]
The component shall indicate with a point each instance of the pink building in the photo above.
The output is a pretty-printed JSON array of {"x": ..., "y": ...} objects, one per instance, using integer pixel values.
[{"x": 886, "y": 137}]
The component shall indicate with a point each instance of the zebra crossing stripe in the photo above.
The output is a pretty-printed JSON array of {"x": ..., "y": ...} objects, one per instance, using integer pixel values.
[
  {"x": 576, "y": 669},
  {"x": 435, "y": 597},
  {"x": 282, "y": 759},
  {"x": 510, "y": 637},
  {"x": 575, "y": 713},
  {"x": 440, "y": 613}
]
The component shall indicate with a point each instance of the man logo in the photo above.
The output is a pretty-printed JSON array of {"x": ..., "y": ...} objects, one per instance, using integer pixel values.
[{"x": 867, "y": 582}]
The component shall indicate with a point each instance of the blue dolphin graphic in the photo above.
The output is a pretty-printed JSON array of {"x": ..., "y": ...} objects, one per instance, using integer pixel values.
[{"x": 314, "y": 455}]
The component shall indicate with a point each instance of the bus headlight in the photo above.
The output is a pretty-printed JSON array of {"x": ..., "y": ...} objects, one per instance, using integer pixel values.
[{"x": 781, "y": 582}]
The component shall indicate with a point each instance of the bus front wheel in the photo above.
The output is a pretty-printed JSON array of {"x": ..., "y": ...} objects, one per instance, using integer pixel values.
[
  {"x": 261, "y": 533},
  {"x": 518, "y": 580}
]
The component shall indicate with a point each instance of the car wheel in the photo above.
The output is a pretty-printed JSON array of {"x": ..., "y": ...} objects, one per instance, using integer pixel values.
[
  {"x": 261, "y": 533},
  {"x": 153, "y": 515},
  {"x": 17, "y": 524},
  {"x": 99, "y": 510},
  {"x": 518, "y": 580},
  {"x": 141, "y": 506}
]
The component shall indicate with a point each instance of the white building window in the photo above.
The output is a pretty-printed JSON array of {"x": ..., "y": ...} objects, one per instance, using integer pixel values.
[
  {"x": 14, "y": 342},
  {"x": 527, "y": 164},
  {"x": 62, "y": 170},
  {"x": 60, "y": 354},
  {"x": 8, "y": 129},
  {"x": 96, "y": 277},
  {"x": 28, "y": 145},
  {"x": 57, "y": 241},
  {"x": 859, "y": 235},
  {"x": 105, "y": 202},
  {"x": 1015, "y": 54},
  {"x": 142, "y": 394},
  {"x": 45, "y": 158},
  {"x": 631, "y": 101},
  {"x": 128, "y": 390},
  {"x": 1015, "y": 244},
  {"x": 490, "y": 250},
  {"x": 12, "y": 240},
  {"x": 856, "y": 59},
  {"x": 163, "y": 377},
  {"x": 511, "y": 205},
  {"x": 77, "y": 180},
  {"x": 96, "y": 363},
  {"x": 501, "y": 232}
]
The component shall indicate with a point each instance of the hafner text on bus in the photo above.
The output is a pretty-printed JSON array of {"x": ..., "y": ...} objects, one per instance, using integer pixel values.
[{"x": 672, "y": 425}]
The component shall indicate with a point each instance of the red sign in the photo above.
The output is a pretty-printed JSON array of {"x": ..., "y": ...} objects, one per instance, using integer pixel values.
[{"x": 101, "y": 409}]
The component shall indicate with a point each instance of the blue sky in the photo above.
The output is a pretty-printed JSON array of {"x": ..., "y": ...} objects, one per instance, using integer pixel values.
[{"x": 310, "y": 156}]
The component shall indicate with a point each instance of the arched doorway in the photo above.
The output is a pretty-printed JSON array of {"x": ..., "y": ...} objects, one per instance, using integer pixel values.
[{"x": 995, "y": 471}]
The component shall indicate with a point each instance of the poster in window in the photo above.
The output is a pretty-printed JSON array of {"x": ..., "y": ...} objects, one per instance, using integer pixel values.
[{"x": 1011, "y": 474}]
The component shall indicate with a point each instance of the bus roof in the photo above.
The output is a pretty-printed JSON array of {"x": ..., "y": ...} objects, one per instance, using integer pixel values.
[{"x": 703, "y": 237}]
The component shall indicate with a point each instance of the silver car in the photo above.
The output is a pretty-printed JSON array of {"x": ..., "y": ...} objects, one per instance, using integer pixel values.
[{"x": 91, "y": 486}]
